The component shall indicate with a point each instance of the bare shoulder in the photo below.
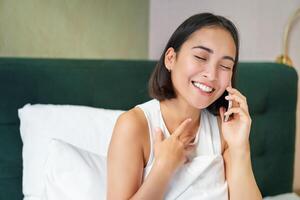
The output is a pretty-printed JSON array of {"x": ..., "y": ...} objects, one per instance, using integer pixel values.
[
  {"x": 125, "y": 161},
  {"x": 131, "y": 125},
  {"x": 133, "y": 118},
  {"x": 131, "y": 132},
  {"x": 223, "y": 143}
]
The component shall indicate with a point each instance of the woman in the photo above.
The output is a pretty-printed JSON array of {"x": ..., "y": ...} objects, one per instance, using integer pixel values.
[{"x": 178, "y": 145}]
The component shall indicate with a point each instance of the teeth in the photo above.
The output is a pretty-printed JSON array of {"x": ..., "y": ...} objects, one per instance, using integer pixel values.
[{"x": 203, "y": 87}]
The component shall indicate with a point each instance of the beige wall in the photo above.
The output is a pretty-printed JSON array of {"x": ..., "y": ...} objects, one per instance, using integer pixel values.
[{"x": 74, "y": 28}]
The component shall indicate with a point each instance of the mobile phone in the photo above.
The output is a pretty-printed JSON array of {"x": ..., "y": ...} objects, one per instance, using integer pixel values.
[{"x": 226, "y": 117}]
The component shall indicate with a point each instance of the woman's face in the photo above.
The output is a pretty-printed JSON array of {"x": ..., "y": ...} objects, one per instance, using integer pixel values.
[{"x": 202, "y": 69}]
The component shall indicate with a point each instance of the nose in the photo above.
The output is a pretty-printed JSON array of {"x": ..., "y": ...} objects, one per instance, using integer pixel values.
[{"x": 210, "y": 72}]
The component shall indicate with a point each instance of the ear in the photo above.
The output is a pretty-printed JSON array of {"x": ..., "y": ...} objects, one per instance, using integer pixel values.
[{"x": 170, "y": 58}]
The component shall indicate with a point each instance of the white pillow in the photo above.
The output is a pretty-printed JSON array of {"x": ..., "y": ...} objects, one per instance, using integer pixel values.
[
  {"x": 74, "y": 174},
  {"x": 85, "y": 127}
]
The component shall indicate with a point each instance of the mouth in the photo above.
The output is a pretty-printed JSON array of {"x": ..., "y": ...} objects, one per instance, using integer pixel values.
[{"x": 203, "y": 87}]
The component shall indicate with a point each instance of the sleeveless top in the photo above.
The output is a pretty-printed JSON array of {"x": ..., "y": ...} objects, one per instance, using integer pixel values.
[{"x": 203, "y": 177}]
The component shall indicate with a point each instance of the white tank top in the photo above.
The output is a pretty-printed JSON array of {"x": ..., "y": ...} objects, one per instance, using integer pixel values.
[{"x": 204, "y": 176}]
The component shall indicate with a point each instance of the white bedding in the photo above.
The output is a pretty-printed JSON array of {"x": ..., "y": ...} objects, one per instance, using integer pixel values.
[
  {"x": 287, "y": 196},
  {"x": 83, "y": 135},
  {"x": 85, "y": 127},
  {"x": 72, "y": 173}
]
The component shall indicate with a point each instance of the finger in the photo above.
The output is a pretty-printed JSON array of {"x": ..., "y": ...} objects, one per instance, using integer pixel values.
[
  {"x": 222, "y": 111},
  {"x": 239, "y": 111},
  {"x": 242, "y": 102},
  {"x": 181, "y": 128},
  {"x": 185, "y": 140},
  {"x": 159, "y": 136},
  {"x": 190, "y": 147},
  {"x": 191, "y": 140},
  {"x": 235, "y": 91},
  {"x": 187, "y": 137}
]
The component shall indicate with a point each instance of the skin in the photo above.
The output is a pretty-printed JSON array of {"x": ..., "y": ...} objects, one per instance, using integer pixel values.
[{"x": 207, "y": 56}]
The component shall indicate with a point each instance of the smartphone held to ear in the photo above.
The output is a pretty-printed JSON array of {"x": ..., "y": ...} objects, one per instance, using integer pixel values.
[{"x": 226, "y": 117}]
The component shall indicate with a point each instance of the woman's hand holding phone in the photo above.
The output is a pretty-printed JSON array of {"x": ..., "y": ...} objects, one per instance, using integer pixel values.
[{"x": 236, "y": 130}]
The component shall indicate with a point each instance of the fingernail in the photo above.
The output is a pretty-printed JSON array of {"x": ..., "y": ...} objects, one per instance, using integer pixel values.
[{"x": 227, "y": 97}]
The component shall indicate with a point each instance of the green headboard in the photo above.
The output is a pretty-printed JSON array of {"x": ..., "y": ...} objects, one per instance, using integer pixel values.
[{"x": 271, "y": 91}]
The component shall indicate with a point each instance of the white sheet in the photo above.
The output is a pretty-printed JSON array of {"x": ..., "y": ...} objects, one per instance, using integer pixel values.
[{"x": 287, "y": 196}]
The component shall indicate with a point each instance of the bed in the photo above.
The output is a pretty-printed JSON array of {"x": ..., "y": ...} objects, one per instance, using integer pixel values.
[{"x": 271, "y": 91}]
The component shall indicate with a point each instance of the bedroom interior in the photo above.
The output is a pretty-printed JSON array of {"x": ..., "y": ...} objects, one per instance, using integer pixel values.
[{"x": 55, "y": 56}]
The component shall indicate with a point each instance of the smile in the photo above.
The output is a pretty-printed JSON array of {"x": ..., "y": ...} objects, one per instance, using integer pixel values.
[{"x": 203, "y": 87}]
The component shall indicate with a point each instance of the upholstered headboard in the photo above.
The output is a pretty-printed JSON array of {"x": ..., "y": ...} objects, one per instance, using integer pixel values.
[{"x": 271, "y": 91}]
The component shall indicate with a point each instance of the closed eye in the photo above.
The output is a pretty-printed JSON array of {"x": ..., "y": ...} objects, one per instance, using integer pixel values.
[
  {"x": 226, "y": 68},
  {"x": 201, "y": 58}
]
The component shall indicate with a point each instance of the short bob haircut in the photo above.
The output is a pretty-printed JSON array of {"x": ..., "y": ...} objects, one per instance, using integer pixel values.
[{"x": 160, "y": 84}]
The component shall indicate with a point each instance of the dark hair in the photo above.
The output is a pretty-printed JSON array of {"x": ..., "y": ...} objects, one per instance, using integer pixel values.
[{"x": 160, "y": 83}]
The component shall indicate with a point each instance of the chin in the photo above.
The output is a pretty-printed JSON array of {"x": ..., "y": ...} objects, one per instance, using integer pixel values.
[
  {"x": 203, "y": 102},
  {"x": 200, "y": 104}
]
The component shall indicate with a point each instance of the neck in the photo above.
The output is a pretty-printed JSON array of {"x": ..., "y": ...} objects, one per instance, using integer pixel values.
[{"x": 175, "y": 111}]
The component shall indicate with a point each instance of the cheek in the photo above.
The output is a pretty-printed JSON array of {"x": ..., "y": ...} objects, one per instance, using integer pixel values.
[
  {"x": 225, "y": 79},
  {"x": 187, "y": 69}
]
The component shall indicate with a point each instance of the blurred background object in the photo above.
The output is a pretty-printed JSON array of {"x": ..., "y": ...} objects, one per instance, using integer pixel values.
[{"x": 284, "y": 58}]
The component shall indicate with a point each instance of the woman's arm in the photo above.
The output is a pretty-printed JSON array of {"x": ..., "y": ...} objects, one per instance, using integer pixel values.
[
  {"x": 235, "y": 132},
  {"x": 239, "y": 175},
  {"x": 126, "y": 160}
]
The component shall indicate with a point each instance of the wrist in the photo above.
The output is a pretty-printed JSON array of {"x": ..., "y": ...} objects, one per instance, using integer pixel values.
[
  {"x": 240, "y": 152},
  {"x": 163, "y": 167}
]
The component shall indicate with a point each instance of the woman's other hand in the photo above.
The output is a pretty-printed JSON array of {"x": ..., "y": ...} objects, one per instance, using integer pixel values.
[{"x": 172, "y": 152}]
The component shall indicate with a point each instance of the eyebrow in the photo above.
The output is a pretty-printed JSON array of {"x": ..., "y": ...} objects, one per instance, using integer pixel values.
[{"x": 211, "y": 51}]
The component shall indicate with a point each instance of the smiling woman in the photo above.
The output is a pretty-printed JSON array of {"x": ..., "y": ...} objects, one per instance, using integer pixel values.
[
  {"x": 160, "y": 149},
  {"x": 210, "y": 50},
  {"x": 209, "y": 29}
]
